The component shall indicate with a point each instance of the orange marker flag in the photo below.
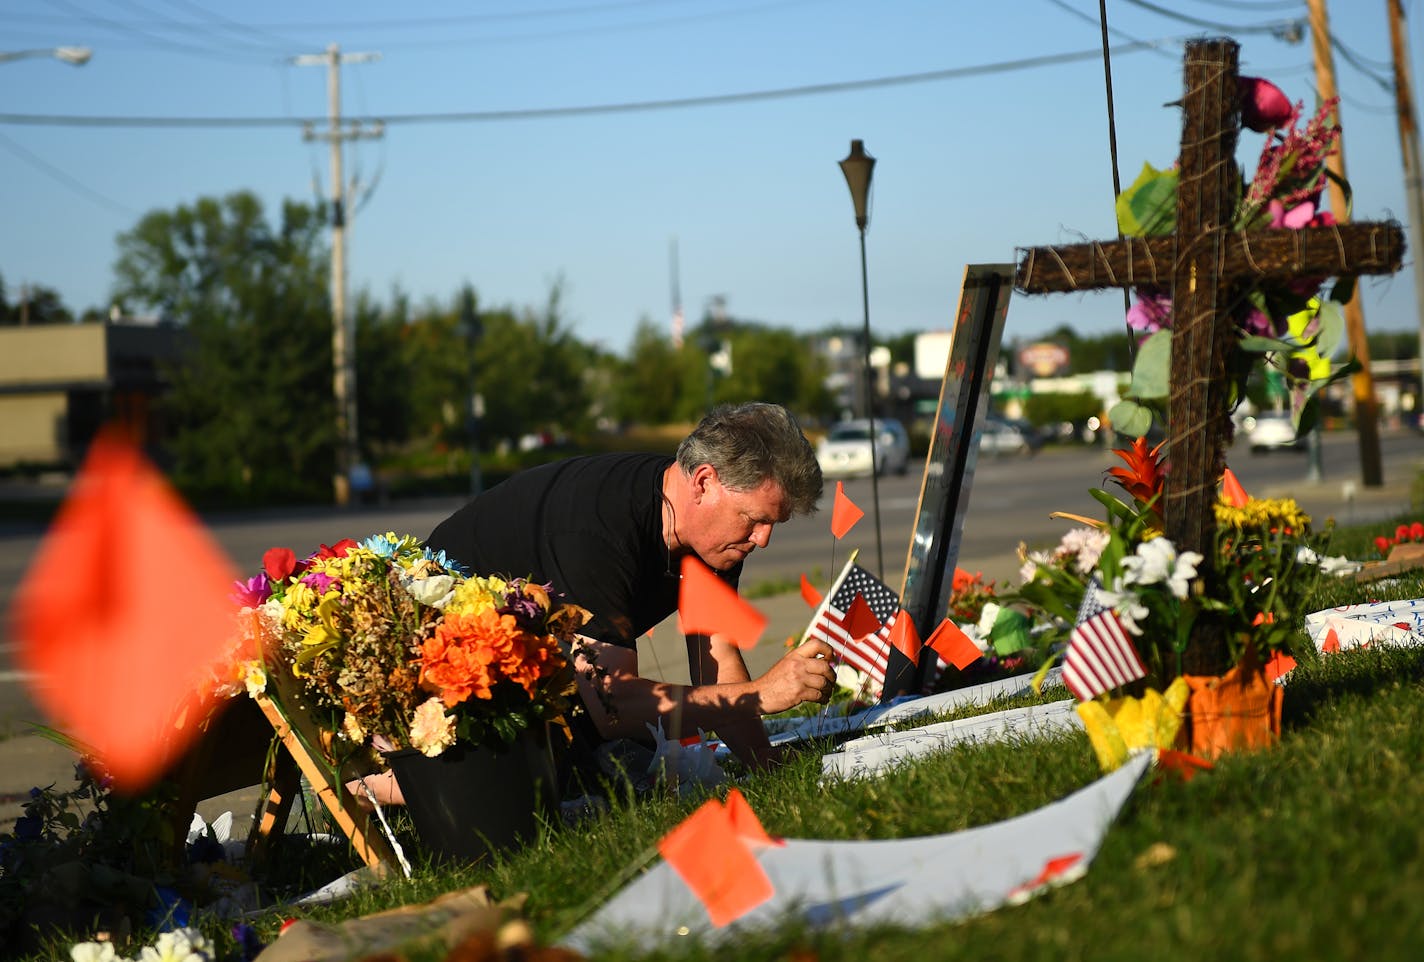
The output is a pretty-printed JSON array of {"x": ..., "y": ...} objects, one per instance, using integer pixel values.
[
  {"x": 713, "y": 857},
  {"x": 124, "y": 615},
  {"x": 844, "y": 513},
  {"x": 904, "y": 637},
  {"x": 951, "y": 643},
  {"x": 809, "y": 594},
  {"x": 859, "y": 620},
  {"x": 707, "y": 605},
  {"x": 1231, "y": 490},
  {"x": 748, "y": 827},
  {"x": 1279, "y": 664},
  {"x": 1332, "y": 642}
]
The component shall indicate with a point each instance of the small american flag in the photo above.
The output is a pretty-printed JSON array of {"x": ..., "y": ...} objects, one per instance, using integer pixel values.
[
  {"x": 870, "y": 653},
  {"x": 1100, "y": 657}
]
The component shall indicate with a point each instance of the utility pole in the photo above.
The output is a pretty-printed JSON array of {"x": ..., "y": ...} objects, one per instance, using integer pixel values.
[
  {"x": 1409, "y": 148},
  {"x": 676, "y": 283},
  {"x": 343, "y": 347},
  {"x": 1366, "y": 406}
]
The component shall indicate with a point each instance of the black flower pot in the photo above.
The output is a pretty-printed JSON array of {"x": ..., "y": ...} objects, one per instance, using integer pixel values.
[{"x": 470, "y": 801}]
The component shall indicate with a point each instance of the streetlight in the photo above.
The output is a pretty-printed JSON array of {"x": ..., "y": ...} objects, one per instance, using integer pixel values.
[
  {"x": 857, "y": 169},
  {"x": 78, "y": 56}
]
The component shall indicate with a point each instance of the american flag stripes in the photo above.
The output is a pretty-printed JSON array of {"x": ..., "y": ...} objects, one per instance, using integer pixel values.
[
  {"x": 1100, "y": 657},
  {"x": 871, "y": 653}
]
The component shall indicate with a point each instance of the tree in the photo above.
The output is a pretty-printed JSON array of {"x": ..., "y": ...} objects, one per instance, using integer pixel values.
[
  {"x": 531, "y": 372},
  {"x": 251, "y": 404},
  {"x": 35, "y": 304}
]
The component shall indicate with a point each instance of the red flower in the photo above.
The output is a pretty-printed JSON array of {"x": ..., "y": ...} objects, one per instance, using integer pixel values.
[
  {"x": 337, "y": 550},
  {"x": 279, "y": 563},
  {"x": 1383, "y": 544},
  {"x": 1263, "y": 105},
  {"x": 1416, "y": 531},
  {"x": 1401, "y": 533}
]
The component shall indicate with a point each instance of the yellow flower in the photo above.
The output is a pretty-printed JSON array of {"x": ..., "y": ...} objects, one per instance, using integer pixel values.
[{"x": 476, "y": 594}]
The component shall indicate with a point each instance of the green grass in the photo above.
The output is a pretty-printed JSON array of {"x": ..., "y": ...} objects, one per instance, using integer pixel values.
[{"x": 1309, "y": 850}]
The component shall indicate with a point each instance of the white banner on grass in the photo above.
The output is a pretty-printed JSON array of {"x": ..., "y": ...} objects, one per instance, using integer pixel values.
[
  {"x": 825, "y": 726},
  {"x": 908, "y": 882},
  {"x": 1396, "y": 623},
  {"x": 871, "y": 756}
]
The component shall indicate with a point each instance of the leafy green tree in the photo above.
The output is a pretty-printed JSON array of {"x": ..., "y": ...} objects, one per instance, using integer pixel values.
[
  {"x": 531, "y": 372},
  {"x": 251, "y": 404},
  {"x": 35, "y": 304},
  {"x": 660, "y": 382}
]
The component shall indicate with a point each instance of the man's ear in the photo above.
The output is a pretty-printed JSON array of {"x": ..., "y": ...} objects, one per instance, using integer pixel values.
[{"x": 702, "y": 475}]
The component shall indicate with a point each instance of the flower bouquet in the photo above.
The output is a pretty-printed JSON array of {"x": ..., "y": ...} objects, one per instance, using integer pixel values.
[
  {"x": 1290, "y": 329},
  {"x": 1267, "y": 564},
  {"x": 392, "y": 648}
]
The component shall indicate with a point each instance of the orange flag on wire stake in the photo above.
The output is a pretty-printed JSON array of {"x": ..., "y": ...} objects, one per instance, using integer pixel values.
[
  {"x": 859, "y": 620},
  {"x": 904, "y": 637},
  {"x": 707, "y": 605},
  {"x": 951, "y": 643},
  {"x": 712, "y": 850},
  {"x": 844, "y": 513},
  {"x": 1231, "y": 491},
  {"x": 125, "y": 615},
  {"x": 809, "y": 594}
]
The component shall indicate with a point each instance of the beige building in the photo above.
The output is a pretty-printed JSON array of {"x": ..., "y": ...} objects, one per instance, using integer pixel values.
[{"x": 60, "y": 382}]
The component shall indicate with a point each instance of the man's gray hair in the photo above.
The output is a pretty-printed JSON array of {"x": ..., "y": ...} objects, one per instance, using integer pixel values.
[{"x": 752, "y": 443}]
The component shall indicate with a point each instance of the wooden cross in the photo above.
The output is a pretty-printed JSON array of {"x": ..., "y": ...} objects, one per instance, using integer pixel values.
[{"x": 1207, "y": 267}]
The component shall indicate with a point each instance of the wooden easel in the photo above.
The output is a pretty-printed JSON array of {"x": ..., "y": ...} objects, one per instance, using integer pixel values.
[{"x": 253, "y": 742}]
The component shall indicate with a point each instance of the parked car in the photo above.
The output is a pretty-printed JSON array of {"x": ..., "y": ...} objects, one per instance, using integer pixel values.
[
  {"x": 1003, "y": 435},
  {"x": 845, "y": 450},
  {"x": 1271, "y": 430}
]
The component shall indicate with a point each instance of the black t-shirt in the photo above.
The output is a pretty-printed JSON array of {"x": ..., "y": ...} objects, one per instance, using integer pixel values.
[{"x": 590, "y": 526}]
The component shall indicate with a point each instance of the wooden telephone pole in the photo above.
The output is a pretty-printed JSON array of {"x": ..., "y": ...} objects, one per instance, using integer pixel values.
[
  {"x": 343, "y": 340},
  {"x": 1366, "y": 405},
  {"x": 1409, "y": 148}
]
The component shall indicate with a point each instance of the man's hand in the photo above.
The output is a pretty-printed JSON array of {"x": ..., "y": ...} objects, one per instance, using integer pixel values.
[{"x": 803, "y": 674}]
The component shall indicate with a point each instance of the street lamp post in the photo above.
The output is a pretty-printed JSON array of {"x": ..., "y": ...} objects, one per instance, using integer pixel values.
[
  {"x": 857, "y": 168},
  {"x": 78, "y": 56}
]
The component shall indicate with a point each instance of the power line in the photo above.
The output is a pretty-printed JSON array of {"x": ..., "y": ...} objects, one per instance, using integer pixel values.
[
  {"x": 1088, "y": 18},
  {"x": 220, "y": 52},
  {"x": 1278, "y": 27},
  {"x": 49, "y": 170},
  {"x": 542, "y": 113}
]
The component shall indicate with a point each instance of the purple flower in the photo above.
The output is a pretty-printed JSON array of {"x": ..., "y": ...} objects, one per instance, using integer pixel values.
[
  {"x": 1257, "y": 321},
  {"x": 1152, "y": 312},
  {"x": 253, "y": 591},
  {"x": 318, "y": 581}
]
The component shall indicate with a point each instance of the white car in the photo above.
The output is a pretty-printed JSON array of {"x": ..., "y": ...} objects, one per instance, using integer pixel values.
[
  {"x": 845, "y": 450},
  {"x": 1271, "y": 430}
]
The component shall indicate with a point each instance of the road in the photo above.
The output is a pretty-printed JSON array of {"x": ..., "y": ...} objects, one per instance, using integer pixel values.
[{"x": 1010, "y": 503}]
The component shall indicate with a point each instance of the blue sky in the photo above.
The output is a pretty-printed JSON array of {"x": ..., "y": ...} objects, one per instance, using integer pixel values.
[{"x": 969, "y": 168}]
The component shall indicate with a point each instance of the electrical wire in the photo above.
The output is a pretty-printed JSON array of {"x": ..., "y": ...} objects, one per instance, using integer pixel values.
[
  {"x": 51, "y": 171},
  {"x": 541, "y": 113},
  {"x": 221, "y": 52},
  {"x": 1088, "y": 18},
  {"x": 1275, "y": 27}
]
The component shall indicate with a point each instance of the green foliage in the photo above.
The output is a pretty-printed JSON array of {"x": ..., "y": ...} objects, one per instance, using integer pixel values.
[
  {"x": 251, "y": 401},
  {"x": 80, "y": 858},
  {"x": 1148, "y": 208},
  {"x": 1054, "y": 408}
]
